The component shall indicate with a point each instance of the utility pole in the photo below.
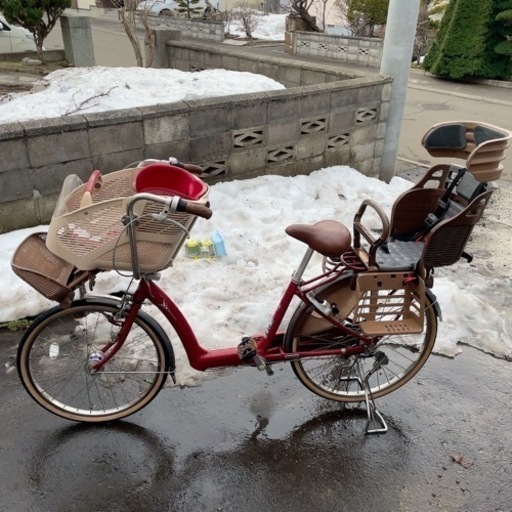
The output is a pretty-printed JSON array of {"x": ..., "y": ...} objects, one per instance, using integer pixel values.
[{"x": 396, "y": 63}]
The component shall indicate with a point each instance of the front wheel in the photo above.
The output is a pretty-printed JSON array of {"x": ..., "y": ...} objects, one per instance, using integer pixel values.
[
  {"x": 56, "y": 354},
  {"x": 341, "y": 378}
]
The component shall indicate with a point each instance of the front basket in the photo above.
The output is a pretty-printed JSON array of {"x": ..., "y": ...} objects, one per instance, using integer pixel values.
[
  {"x": 94, "y": 237},
  {"x": 42, "y": 270}
]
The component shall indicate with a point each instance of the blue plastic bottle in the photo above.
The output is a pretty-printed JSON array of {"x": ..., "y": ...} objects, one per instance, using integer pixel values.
[{"x": 218, "y": 245}]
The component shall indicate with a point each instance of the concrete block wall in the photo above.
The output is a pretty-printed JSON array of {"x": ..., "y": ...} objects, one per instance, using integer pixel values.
[
  {"x": 357, "y": 50},
  {"x": 337, "y": 120},
  {"x": 190, "y": 28},
  {"x": 195, "y": 56}
]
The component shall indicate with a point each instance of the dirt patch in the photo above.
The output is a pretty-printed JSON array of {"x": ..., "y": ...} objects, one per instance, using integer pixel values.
[
  {"x": 36, "y": 69},
  {"x": 19, "y": 76},
  {"x": 6, "y": 89}
]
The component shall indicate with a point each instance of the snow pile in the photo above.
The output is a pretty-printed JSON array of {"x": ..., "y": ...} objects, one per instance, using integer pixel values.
[
  {"x": 234, "y": 296},
  {"x": 97, "y": 89}
]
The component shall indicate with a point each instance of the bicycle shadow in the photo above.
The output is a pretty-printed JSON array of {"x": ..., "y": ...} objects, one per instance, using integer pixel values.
[
  {"x": 325, "y": 463},
  {"x": 124, "y": 466},
  {"x": 100, "y": 467}
]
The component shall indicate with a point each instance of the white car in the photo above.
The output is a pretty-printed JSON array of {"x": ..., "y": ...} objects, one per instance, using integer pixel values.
[
  {"x": 15, "y": 39},
  {"x": 167, "y": 7}
]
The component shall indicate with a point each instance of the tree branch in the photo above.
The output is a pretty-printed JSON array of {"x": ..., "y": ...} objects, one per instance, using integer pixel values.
[{"x": 82, "y": 106}]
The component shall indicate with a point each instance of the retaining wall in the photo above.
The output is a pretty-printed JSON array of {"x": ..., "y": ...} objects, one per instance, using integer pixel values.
[
  {"x": 355, "y": 50},
  {"x": 190, "y": 28},
  {"x": 324, "y": 118}
]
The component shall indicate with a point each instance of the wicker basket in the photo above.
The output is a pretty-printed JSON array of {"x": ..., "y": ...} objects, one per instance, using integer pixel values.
[
  {"x": 42, "y": 270},
  {"x": 94, "y": 237},
  {"x": 389, "y": 303}
]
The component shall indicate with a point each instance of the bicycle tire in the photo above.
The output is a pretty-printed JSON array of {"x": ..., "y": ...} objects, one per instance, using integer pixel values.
[
  {"x": 54, "y": 353},
  {"x": 340, "y": 378}
]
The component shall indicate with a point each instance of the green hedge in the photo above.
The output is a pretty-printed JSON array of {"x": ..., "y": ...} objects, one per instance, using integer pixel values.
[{"x": 466, "y": 43}]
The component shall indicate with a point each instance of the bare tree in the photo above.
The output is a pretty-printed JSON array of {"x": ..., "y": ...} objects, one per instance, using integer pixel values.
[
  {"x": 427, "y": 28},
  {"x": 211, "y": 12},
  {"x": 341, "y": 7},
  {"x": 130, "y": 11},
  {"x": 300, "y": 9},
  {"x": 227, "y": 18},
  {"x": 321, "y": 8},
  {"x": 248, "y": 16}
]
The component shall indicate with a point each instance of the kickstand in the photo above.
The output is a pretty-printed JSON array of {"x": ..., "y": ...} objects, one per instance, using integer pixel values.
[
  {"x": 376, "y": 423},
  {"x": 372, "y": 413}
]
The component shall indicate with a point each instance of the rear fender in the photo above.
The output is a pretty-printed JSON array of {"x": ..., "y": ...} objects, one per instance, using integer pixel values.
[{"x": 435, "y": 304}]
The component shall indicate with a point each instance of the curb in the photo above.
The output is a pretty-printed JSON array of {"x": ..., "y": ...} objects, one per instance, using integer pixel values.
[
  {"x": 460, "y": 95},
  {"x": 495, "y": 83}
]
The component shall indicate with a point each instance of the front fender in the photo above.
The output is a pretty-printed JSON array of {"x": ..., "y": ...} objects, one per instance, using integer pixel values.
[{"x": 109, "y": 300}]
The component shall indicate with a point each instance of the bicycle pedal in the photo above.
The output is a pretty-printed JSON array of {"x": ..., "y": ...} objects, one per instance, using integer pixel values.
[{"x": 247, "y": 349}]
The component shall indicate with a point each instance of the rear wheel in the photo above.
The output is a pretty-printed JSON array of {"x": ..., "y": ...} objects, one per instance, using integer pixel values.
[
  {"x": 341, "y": 378},
  {"x": 56, "y": 353}
]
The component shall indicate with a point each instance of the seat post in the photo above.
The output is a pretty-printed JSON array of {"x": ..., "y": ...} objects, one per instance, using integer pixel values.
[{"x": 297, "y": 275}]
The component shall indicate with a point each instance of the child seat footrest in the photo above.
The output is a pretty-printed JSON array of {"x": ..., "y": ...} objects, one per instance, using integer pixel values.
[{"x": 390, "y": 303}]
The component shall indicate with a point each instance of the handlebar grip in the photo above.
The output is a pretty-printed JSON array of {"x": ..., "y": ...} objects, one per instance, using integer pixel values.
[
  {"x": 93, "y": 183},
  {"x": 194, "y": 169},
  {"x": 194, "y": 209}
]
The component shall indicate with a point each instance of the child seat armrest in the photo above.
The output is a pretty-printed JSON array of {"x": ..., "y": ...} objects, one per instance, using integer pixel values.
[{"x": 361, "y": 230}]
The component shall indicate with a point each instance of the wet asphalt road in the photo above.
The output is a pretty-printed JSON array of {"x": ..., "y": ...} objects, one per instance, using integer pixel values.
[{"x": 247, "y": 442}]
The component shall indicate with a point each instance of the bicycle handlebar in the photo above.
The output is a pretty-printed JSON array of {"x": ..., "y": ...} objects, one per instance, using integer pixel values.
[
  {"x": 171, "y": 204},
  {"x": 194, "y": 209},
  {"x": 194, "y": 169}
]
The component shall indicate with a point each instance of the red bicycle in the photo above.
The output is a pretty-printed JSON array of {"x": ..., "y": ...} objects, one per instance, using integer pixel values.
[{"x": 365, "y": 324}]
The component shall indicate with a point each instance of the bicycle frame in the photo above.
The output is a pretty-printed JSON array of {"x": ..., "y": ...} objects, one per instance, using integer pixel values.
[{"x": 269, "y": 344}]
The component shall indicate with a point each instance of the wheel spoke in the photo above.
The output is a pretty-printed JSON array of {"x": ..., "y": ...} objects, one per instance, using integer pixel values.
[
  {"x": 341, "y": 378},
  {"x": 63, "y": 381}
]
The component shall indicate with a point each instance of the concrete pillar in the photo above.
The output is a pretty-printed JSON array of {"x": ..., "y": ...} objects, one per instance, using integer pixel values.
[
  {"x": 396, "y": 63},
  {"x": 77, "y": 38},
  {"x": 160, "y": 56}
]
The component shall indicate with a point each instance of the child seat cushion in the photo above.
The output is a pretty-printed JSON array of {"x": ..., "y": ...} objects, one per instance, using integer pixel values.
[{"x": 399, "y": 255}]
